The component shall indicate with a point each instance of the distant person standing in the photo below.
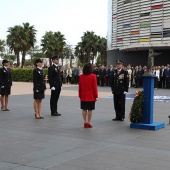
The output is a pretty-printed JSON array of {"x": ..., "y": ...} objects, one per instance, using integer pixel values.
[
  {"x": 76, "y": 75},
  {"x": 102, "y": 74},
  {"x": 68, "y": 75},
  {"x": 39, "y": 87},
  {"x": 55, "y": 85},
  {"x": 119, "y": 87},
  {"x": 5, "y": 84},
  {"x": 88, "y": 93}
]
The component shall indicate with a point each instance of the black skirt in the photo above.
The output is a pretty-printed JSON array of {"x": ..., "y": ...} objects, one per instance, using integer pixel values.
[
  {"x": 5, "y": 91},
  {"x": 87, "y": 105},
  {"x": 39, "y": 95}
]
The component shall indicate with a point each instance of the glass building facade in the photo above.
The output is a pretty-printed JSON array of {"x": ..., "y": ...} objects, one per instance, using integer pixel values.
[{"x": 136, "y": 25}]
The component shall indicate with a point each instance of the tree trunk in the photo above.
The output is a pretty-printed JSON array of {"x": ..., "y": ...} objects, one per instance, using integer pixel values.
[
  {"x": 23, "y": 59},
  {"x": 18, "y": 59},
  {"x": 50, "y": 61},
  {"x": 62, "y": 61}
]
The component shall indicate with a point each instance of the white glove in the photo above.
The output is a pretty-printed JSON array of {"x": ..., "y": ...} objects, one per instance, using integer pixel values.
[
  {"x": 52, "y": 88},
  {"x": 36, "y": 90},
  {"x": 125, "y": 92},
  {"x": 2, "y": 86}
]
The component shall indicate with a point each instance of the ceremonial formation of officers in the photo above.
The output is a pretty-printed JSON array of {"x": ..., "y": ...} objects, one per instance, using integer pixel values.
[{"x": 87, "y": 88}]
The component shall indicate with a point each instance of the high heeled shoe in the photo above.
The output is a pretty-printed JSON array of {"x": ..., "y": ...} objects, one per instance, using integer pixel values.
[
  {"x": 87, "y": 125},
  {"x": 37, "y": 117},
  {"x": 6, "y": 110}
]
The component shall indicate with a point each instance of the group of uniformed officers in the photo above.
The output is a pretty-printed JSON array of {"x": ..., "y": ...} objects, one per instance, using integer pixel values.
[
  {"x": 54, "y": 76},
  {"x": 118, "y": 80}
]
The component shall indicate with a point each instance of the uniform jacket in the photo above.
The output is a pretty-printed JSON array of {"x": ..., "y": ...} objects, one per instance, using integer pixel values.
[
  {"x": 5, "y": 77},
  {"x": 88, "y": 87},
  {"x": 119, "y": 82},
  {"x": 39, "y": 80},
  {"x": 54, "y": 77}
]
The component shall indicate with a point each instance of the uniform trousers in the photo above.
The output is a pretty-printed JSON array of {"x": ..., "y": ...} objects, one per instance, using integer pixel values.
[
  {"x": 119, "y": 105},
  {"x": 54, "y": 100}
]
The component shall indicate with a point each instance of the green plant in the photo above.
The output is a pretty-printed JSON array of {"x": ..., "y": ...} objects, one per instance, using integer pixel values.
[{"x": 136, "y": 113}]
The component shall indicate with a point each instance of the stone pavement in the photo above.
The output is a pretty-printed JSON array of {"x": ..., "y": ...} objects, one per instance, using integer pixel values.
[{"x": 61, "y": 143}]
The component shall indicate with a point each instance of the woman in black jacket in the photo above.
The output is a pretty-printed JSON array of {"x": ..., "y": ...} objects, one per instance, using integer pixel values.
[
  {"x": 5, "y": 84},
  {"x": 39, "y": 88}
]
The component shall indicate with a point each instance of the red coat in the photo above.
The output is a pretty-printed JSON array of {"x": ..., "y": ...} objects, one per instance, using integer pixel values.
[{"x": 88, "y": 91}]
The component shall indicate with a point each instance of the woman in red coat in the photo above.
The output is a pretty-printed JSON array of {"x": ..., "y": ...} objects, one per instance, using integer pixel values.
[{"x": 88, "y": 93}]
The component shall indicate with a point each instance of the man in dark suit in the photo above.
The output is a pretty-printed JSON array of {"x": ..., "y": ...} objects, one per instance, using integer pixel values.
[
  {"x": 54, "y": 77},
  {"x": 162, "y": 77},
  {"x": 5, "y": 84},
  {"x": 167, "y": 76},
  {"x": 102, "y": 75},
  {"x": 136, "y": 76},
  {"x": 119, "y": 87}
]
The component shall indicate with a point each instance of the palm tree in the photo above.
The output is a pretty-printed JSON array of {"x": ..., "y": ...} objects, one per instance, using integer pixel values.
[
  {"x": 14, "y": 41},
  {"x": 21, "y": 39},
  {"x": 102, "y": 49},
  {"x": 28, "y": 39},
  {"x": 2, "y": 45},
  {"x": 80, "y": 53},
  {"x": 52, "y": 44},
  {"x": 89, "y": 43}
]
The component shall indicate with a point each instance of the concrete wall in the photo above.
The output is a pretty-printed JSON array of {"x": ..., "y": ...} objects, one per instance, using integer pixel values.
[{"x": 137, "y": 57}]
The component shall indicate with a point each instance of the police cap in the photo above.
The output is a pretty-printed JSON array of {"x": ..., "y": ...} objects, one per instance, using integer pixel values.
[
  {"x": 38, "y": 60},
  {"x": 5, "y": 61},
  {"x": 119, "y": 62},
  {"x": 55, "y": 58}
]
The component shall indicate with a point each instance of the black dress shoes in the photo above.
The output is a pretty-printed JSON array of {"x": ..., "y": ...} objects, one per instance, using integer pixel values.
[
  {"x": 55, "y": 114},
  {"x": 115, "y": 119},
  {"x": 121, "y": 119},
  {"x": 58, "y": 114}
]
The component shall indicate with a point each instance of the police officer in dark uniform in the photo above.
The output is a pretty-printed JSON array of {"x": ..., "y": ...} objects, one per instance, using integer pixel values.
[
  {"x": 119, "y": 87},
  {"x": 54, "y": 77},
  {"x": 39, "y": 87},
  {"x": 5, "y": 84}
]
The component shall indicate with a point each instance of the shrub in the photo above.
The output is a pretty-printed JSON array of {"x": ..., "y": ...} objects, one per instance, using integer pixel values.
[{"x": 136, "y": 113}]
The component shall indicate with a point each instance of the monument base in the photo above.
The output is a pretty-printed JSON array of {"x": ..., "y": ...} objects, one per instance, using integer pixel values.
[{"x": 152, "y": 126}]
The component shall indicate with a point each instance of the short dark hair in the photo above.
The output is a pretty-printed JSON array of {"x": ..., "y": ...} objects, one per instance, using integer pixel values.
[{"x": 87, "y": 69}]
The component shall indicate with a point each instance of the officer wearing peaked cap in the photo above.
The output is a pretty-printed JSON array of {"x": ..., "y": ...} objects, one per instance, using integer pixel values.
[
  {"x": 119, "y": 87},
  {"x": 5, "y": 84},
  {"x": 54, "y": 77},
  {"x": 39, "y": 87}
]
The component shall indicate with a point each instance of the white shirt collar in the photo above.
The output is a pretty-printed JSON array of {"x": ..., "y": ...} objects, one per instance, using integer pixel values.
[
  {"x": 56, "y": 65},
  {"x": 6, "y": 68},
  {"x": 39, "y": 68}
]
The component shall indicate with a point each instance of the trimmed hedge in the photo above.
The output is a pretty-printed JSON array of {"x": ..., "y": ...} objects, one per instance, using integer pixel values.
[
  {"x": 23, "y": 74},
  {"x": 26, "y": 74}
]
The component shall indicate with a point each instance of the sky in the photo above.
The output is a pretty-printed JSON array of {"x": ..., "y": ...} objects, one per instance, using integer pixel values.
[{"x": 71, "y": 17}]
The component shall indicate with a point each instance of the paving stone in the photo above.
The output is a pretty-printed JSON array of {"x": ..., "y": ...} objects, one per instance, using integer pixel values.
[{"x": 61, "y": 143}]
